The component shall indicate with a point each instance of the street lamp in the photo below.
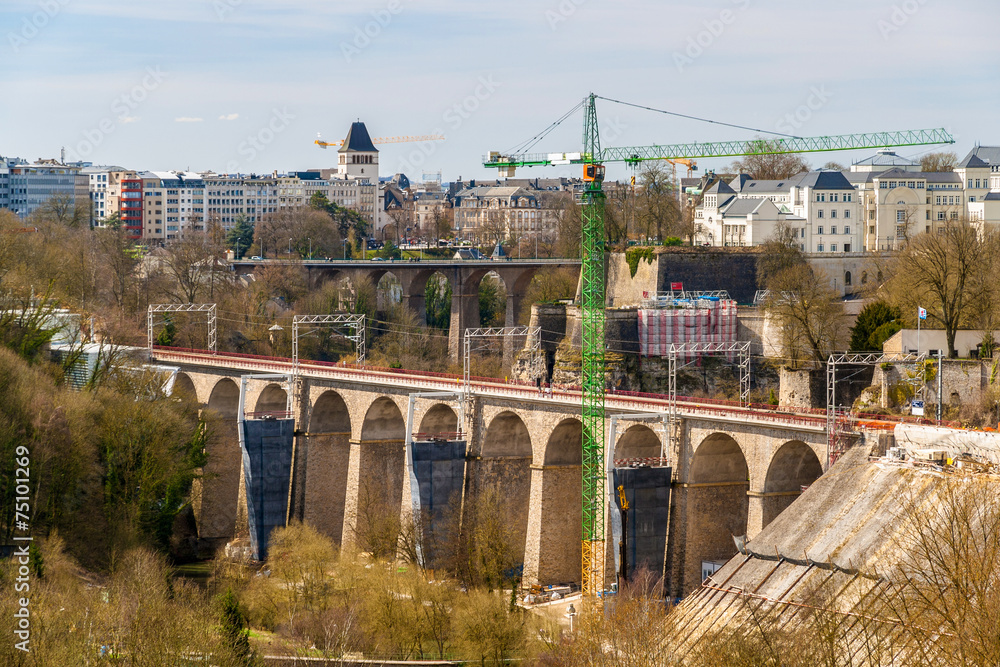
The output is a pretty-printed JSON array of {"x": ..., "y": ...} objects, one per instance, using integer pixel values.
[
  {"x": 345, "y": 249},
  {"x": 571, "y": 613},
  {"x": 289, "y": 247}
]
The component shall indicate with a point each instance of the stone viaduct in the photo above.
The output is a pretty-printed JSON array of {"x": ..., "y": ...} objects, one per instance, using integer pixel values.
[
  {"x": 464, "y": 276},
  {"x": 733, "y": 470}
]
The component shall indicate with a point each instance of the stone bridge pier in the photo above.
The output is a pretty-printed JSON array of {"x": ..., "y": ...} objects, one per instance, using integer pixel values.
[{"x": 731, "y": 481}]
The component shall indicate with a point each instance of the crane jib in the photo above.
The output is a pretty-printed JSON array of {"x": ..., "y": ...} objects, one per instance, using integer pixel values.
[{"x": 634, "y": 154}]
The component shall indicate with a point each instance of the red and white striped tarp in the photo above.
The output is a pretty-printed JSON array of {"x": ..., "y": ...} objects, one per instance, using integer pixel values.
[{"x": 703, "y": 321}]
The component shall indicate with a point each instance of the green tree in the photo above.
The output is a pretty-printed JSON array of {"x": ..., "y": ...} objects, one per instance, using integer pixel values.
[
  {"x": 165, "y": 337},
  {"x": 871, "y": 319},
  {"x": 235, "y": 632},
  {"x": 437, "y": 299},
  {"x": 240, "y": 236},
  {"x": 492, "y": 302}
]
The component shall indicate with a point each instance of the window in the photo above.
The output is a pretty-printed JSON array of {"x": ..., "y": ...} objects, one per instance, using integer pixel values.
[
  {"x": 892, "y": 184},
  {"x": 911, "y": 184},
  {"x": 977, "y": 182},
  {"x": 940, "y": 215},
  {"x": 833, "y": 230},
  {"x": 833, "y": 247},
  {"x": 920, "y": 185},
  {"x": 847, "y": 276},
  {"x": 819, "y": 214},
  {"x": 928, "y": 215},
  {"x": 954, "y": 215},
  {"x": 847, "y": 229},
  {"x": 871, "y": 214},
  {"x": 833, "y": 214},
  {"x": 820, "y": 197},
  {"x": 847, "y": 247},
  {"x": 927, "y": 228},
  {"x": 834, "y": 196},
  {"x": 900, "y": 216},
  {"x": 819, "y": 230},
  {"x": 847, "y": 197},
  {"x": 972, "y": 199},
  {"x": 938, "y": 200},
  {"x": 819, "y": 247},
  {"x": 970, "y": 182},
  {"x": 871, "y": 229}
]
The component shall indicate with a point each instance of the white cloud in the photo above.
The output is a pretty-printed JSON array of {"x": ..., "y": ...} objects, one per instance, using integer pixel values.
[
  {"x": 229, "y": 116},
  {"x": 187, "y": 119}
]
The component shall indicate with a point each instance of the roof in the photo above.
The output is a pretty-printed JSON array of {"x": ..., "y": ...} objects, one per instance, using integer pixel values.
[
  {"x": 739, "y": 182},
  {"x": 982, "y": 156},
  {"x": 886, "y": 158},
  {"x": 358, "y": 140},
  {"x": 744, "y": 207},
  {"x": 942, "y": 177},
  {"x": 825, "y": 179},
  {"x": 720, "y": 187},
  {"x": 900, "y": 173},
  {"x": 992, "y": 196}
]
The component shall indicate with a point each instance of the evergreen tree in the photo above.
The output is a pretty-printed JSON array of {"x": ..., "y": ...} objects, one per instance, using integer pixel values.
[
  {"x": 240, "y": 237},
  {"x": 870, "y": 330}
]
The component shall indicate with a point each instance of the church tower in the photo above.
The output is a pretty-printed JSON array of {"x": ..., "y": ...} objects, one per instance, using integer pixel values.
[{"x": 358, "y": 157}]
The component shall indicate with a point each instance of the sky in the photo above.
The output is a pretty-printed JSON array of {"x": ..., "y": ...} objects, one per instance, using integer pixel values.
[{"x": 248, "y": 85}]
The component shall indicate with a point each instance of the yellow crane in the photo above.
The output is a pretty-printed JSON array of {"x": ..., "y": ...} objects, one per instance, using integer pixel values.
[{"x": 385, "y": 140}]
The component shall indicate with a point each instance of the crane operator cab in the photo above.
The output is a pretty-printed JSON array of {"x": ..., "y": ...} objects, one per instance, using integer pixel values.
[{"x": 593, "y": 173}]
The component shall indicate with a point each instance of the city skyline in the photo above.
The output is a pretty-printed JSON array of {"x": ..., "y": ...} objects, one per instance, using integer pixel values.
[{"x": 242, "y": 86}]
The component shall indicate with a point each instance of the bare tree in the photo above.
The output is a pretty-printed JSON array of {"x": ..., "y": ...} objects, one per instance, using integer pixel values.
[
  {"x": 949, "y": 273},
  {"x": 941, "y": 161},
  {"x": 769, "y": 165}
]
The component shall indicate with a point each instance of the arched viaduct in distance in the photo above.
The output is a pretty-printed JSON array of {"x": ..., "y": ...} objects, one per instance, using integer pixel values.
[
  {"x": 464, "y": 277},
  {"x": 731, "y": 477}
]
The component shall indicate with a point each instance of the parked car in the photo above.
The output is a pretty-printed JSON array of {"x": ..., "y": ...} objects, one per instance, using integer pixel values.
[{"x": 256, "y": 258}]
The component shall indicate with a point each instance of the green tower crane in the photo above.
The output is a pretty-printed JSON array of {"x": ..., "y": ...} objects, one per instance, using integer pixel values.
[{"x": 593, "y": 158}]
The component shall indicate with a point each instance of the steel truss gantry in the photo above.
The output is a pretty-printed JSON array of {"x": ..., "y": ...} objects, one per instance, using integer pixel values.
[
  {"x": 691, "y": 351},
  {"x": 857, "y": 359},
  {"x": 534, "y": 340},
  {"x": 182, "y": 308},
  {"x": 356, "y": 323}
]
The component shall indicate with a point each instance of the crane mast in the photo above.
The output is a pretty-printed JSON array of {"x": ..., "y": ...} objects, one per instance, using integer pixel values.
[
  {"x": 593, "y": 157},
  {"x": 592, "y": 307}
]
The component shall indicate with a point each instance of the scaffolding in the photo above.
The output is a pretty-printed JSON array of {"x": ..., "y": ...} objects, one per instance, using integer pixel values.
[
  {"x": 182, "y": 308},
  {"x": 355, "y": 323},
  {"x": 839, "y": 425}
]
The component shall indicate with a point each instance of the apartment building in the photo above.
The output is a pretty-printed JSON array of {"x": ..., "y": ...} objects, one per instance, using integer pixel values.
[
  {"x": 29, "y": 185},
  {"x": 482, "y": 212},
  {"x": 173, "y": 205}
]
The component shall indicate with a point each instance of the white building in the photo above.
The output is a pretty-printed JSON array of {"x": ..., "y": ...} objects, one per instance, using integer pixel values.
[
  {"x": 173, "y": 205},
  {"x": 820, "y": 207}
]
